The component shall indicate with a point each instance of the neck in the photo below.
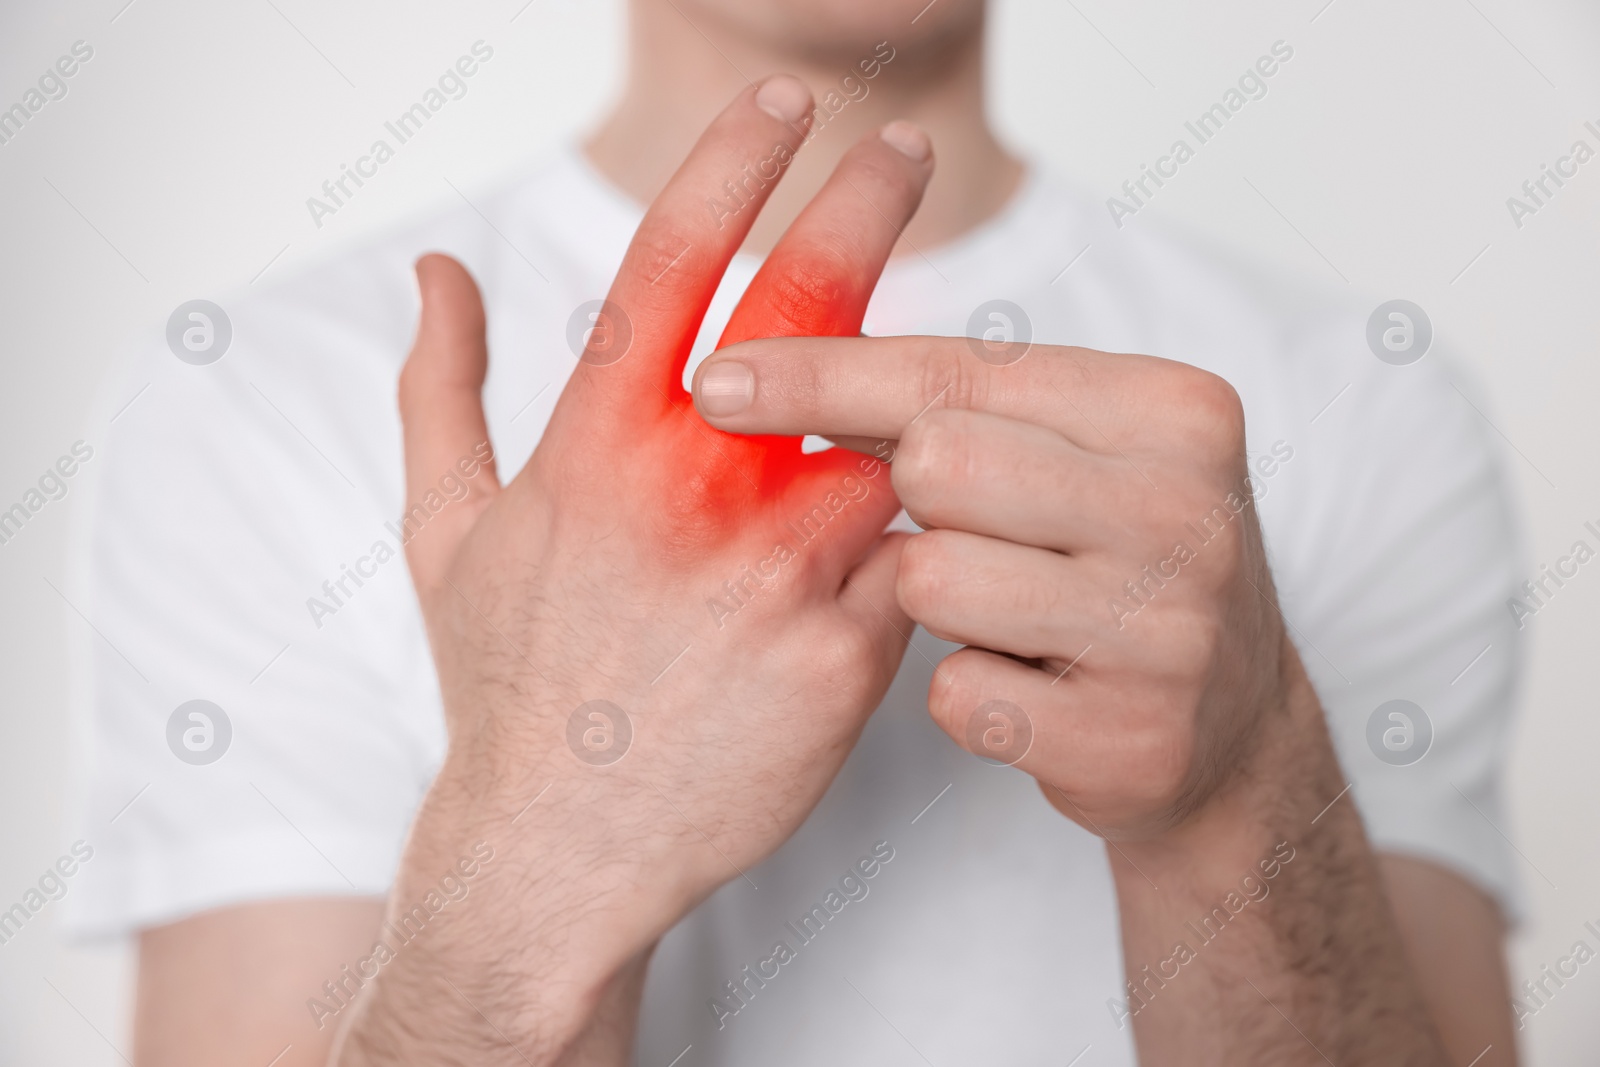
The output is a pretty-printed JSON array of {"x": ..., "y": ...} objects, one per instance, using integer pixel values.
[{"x": 680, "y": 75}]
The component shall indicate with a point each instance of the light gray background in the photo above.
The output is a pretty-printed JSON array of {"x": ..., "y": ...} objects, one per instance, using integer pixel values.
[{"x": 182, "y": 157}]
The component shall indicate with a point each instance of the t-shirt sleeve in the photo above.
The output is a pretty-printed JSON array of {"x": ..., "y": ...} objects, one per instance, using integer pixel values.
[
  {"x": 259, "y": 708},
  {"x": 1397, "y": 556}
]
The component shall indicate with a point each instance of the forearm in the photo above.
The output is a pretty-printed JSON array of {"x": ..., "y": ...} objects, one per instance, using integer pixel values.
[
  {"x": 541, "y": 962},
  {"x": 1259, "y": 932}
]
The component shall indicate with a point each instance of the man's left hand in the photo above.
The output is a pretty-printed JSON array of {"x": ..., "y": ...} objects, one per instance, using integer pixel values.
[{"x": 1090, "y": 536}]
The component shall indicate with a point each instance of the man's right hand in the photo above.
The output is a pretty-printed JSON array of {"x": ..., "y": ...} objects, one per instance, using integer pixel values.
[{"x": 668, "y": 635}]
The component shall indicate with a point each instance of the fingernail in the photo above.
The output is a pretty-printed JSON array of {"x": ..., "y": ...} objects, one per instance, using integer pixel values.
[
  {"x": 726, "y": 389},
  {"x": 783, "y": 97},
  {"x": 908, "y": 139}
]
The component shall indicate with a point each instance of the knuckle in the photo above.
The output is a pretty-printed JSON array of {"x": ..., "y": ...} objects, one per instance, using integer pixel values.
[
  {"x": 1045, "y": 601},
  {"x": 845, "y": 652},
  {"x": 952, "y": 377},
  {"x": 934, "y": 459},
  {"x": 924, "y": 577},
  {"x": 660, "y": 252},
  {"x": 815, "y": 282},
  {"x": 960, "y": 684},
  {"x": 1212, "y": 413}
]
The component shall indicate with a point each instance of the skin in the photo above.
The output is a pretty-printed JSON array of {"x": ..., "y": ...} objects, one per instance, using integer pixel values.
[
  {"x": 1216, "y": 752},
  {"x": 1187, "y": 735},
  {"x": 678, "y": 81},
  {"x": 630, "y": 503}
]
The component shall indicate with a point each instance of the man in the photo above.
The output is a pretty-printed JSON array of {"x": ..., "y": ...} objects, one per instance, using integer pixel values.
[{"x": 641, "y": 809}]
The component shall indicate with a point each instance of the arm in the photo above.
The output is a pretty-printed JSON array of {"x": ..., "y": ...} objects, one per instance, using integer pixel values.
[
  {"x": 228, "y": 988},
  {"x": 1264, "y": 936},
  {"x": 233, "y": 987},
  {"x": 553, "y": 848},
  {"x": 1455, "y": 939},
  {"x": 1090, "y": 537},
  {"x": 1317, "y": 944},
  {"x": 644, "y": 697}
]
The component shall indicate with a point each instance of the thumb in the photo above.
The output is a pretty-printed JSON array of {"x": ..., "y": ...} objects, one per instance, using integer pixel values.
[
  {"x": 450, "y": 470},
  {"x": 867, "y": 597}
]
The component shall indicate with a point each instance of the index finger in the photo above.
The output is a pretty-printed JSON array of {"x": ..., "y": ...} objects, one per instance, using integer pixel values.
[{"x": 872, "y": 388}]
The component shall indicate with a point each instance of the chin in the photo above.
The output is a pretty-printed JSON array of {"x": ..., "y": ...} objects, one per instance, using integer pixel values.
[{"x": 828, "y": 28}]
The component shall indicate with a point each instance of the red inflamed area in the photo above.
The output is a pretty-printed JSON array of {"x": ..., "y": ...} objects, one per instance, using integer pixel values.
[
  {"x": 694, "y": 490},
  {"x": 798, "y": 293},
  {"x": 727, "y": 486}
]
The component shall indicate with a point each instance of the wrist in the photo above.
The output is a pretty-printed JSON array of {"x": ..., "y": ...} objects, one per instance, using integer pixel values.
[
  {"x": 595, "y": 832},
  {"x": 512, "y": 960},
  {"x": 581, "y": 851},
  {"x": 1274, "y": 884}
]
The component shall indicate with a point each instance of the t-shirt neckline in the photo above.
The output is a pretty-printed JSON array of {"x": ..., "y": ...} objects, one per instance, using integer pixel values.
[{"x": 615, "y": 210}]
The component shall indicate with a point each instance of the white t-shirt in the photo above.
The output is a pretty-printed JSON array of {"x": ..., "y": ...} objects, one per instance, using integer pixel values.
[{"x": 228, "y": 493}]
